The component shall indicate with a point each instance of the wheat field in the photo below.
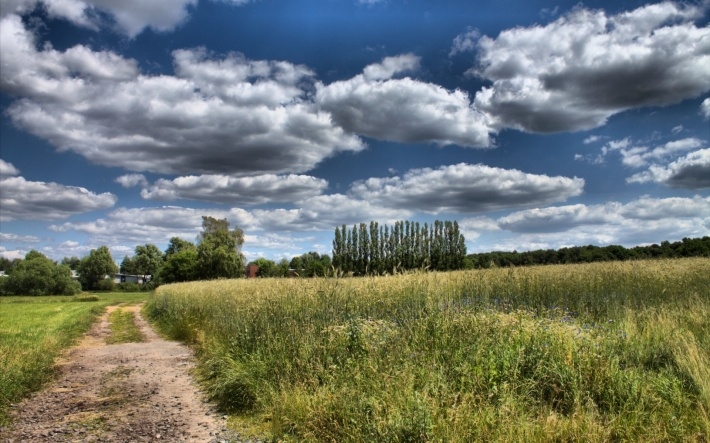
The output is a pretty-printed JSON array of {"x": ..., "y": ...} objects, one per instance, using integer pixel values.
[{"x": 596, "y": 352}]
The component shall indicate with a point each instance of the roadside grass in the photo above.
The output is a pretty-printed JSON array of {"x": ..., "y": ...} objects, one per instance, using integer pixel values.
[
  {"x": 35, "y": 330},
  {"x": 597, "y": 352},
  {"x": 123, "y": 328}
]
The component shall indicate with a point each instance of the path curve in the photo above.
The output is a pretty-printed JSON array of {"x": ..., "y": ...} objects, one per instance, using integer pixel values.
[{"x": 132, "y": 392}]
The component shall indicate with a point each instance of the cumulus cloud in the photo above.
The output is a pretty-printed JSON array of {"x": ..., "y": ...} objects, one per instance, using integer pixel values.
[
  {"x": 30, "y": 200},
  {"x": 465, "y": 42},
  {"x": 576, "y": 72},
  {"x": 224, "y": 115},
  {"x": 643, "y": 221},
  {"x": 130, "y": 17},
  {"x": 135, "y": 225},
  {"x": 14, "y": 238},
  {"x": 7, "y": 169},
  {"x": 639, "y": 156},
  {"x": 377, "y": 105},
  {"x": 132, "y": 180},
  {"x": 691, "y": 172},
  {"x": 237, "y": 190},
  {"x": 705, "y": 108},
  {"x": 466, "y": 188}
]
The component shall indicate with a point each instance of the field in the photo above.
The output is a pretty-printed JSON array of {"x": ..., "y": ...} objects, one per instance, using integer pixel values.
[
  {"x": 34, "y": 331},
  {"x": 598, "y": 352}
]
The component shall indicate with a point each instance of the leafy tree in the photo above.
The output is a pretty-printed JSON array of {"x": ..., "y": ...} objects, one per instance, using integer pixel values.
[
  {"x": 219, "y": 250},
  {"x": 180, "y": 262},
  {"x": 38, "y": 275},
  {"x": 127, "y": 266},
  {"x": 95, "y": 267},
  {"x": 267, "y": 268},
  {"x": 148, "y": 260},
  {"x": 72, "y": 262}
]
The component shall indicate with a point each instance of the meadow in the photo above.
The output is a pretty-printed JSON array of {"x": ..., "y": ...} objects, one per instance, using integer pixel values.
[
  {"x": 35, "y": 330},
  {"x": 595, "y": 352}
]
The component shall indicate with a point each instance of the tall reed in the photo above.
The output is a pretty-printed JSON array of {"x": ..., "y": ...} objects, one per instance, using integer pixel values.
[{"x": 599, "y": 352}]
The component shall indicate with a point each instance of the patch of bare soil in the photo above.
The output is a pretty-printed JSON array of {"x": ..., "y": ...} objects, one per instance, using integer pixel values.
[{"x": 132, "y": 392}]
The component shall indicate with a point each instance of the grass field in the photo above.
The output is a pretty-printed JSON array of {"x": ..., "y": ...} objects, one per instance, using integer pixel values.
[
  {"x": 598, "y": 352},
  {"x": 34, "y": 330}
]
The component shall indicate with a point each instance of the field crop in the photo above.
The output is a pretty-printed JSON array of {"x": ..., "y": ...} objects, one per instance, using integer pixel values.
[
  {"x": 34, "y": 331},
  {"x": 598, "y": 352}
]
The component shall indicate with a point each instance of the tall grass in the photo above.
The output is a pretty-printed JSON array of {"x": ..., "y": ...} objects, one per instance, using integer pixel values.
[
  {"x": 33, "y": 332},
  {"x": 598, "y": 352}
]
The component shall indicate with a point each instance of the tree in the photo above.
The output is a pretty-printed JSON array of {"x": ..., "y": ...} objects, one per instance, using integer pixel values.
[
  {"x": 38, "y": 275},
  {"x": 148, "y": 260},
  {"x": 267, "y": 268},
  {"x": 95, "y": 267},
  {"x": 127, "y": 266},
  {"x": 219, "y": 250},
  {"x": 72, "y": 262},
  {"x": 180, "y": 262}
]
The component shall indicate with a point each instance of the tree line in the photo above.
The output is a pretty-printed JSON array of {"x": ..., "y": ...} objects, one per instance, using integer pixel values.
[
  {"x": 217, "y": 254},
  {"x": 687, "y": 247},
  {"x": 375, "y": 249}
]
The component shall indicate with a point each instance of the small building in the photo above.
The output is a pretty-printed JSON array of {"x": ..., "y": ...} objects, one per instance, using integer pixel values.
[
  {"x": 252, "y": 270},
  {"x": 126, "y": 278}
]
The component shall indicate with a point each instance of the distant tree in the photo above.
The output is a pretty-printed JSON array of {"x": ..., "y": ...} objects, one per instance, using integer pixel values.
[
  {"x": 219, "y": 250},
  {"x": 38, "y": 275},
  {"x": 95, "y": 267},
  {"x": 127, "y": 266},
  {"x": 72, "y": 262},
  {"x": 180, "y": 262},
  {"x": 283, "y": 268},
  {"x": 148, "y": 260},
  {"x": 267, "y": 268}
]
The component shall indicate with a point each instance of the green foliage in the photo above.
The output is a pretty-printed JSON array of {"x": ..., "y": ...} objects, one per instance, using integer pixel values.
[
  {"x": 38, "y": 275},
  {"x": 597, "y": 352},
  {"x": 408, "y": 245},
  {"x": 267, "y": 268},
  {"x": 95, "y": 267},
  {"x": 180, "y": 262},
  {"x": 147, "y": 260},
  {"x": 72, "y": 262},
  {"x": 219, "y": 250},
  {"x": 698, "y": 247}
]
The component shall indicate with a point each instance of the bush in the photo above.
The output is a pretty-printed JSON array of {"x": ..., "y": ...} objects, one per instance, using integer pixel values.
[{"x": 106, "y": 285}]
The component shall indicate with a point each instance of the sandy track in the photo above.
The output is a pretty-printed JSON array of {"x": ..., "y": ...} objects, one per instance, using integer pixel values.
[{"x": 133, "y": 392}]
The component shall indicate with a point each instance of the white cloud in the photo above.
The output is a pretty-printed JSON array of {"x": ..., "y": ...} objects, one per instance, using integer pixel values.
[
  {"x": 691, "y": 172},
  {"x": 466, "y": 188},
  {"x": 131, "y": 16},
  {"x": 132, "y": 180},
  {"x": 643, "y": 221},
  {"x": 214, "y": 116},
  {"x": 233, "y": 190},
  {"x": 576, "y": 72},
  {"x": 14, "y": 238},
  {"x": 405, "y": 110},
  {"x": 465, "y": 42},
  {"x": 705, "y": 108},
  {"x": 29, "y": 200},
  {"x": 7, "y": 169}
]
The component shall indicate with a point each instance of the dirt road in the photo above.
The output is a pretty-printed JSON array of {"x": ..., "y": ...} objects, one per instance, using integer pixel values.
[{"x": 133, "y": 392}]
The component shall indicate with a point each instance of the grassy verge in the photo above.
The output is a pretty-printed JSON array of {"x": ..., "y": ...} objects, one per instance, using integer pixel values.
[
  {"x": 599, "y": 352},
  {"x": 123, "y": 328},
  {"x": 34, "y": 330}
]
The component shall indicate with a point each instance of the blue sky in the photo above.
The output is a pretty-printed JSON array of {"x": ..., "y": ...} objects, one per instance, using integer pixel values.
[{"x": 535, "y": 124}]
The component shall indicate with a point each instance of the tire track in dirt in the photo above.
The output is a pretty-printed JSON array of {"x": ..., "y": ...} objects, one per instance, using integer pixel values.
[{"x": 131, "y": 392}]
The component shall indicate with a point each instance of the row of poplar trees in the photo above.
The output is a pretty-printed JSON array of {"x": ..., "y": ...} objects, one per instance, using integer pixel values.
[{"x": 374, "y": 249}]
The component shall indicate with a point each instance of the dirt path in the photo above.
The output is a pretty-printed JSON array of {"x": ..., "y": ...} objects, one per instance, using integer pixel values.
[{"x": 133, "y": 392}]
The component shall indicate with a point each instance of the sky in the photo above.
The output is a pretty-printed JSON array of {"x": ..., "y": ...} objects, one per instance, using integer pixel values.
[{"x": 534, "y": 124}]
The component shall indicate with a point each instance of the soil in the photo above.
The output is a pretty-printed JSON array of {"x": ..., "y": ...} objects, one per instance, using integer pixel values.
[{"x": 120, "y": 393}]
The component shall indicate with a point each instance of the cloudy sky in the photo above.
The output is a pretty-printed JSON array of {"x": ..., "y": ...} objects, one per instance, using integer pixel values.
[{"x": 535, "y": 124}]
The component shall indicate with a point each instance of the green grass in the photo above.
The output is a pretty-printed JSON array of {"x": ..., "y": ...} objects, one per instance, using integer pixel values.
[
  {"x": 599, "y": 352},
  {"x": 123, "y": 328},
  {"x": 35, "y": 330}
]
